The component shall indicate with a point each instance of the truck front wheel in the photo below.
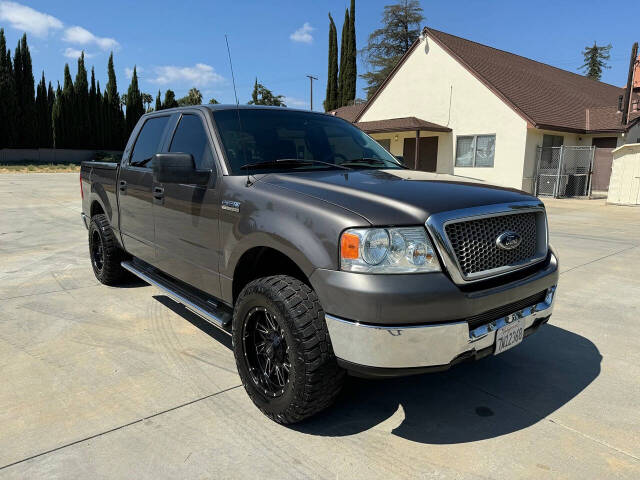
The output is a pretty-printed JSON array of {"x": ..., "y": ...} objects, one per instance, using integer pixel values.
[
  {"x": 282, "y": 349},
  {"x": 105, "y": 252}
]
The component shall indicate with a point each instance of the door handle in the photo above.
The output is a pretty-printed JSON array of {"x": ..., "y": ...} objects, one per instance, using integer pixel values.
[
  {"x": 122, "y": 185},
  {"x": 158, "y": 193}
]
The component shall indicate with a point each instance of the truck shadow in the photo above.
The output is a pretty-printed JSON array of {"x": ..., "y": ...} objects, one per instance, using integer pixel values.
[{"x": 474, "y": 401}]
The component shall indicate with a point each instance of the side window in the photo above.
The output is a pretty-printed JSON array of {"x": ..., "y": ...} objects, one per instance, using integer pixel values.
[
  {"x": 148, "y": 142},
  {"x": 191, "y": 137}
]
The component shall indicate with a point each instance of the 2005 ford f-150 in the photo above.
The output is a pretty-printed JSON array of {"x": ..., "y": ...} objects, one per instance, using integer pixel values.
[{"x": 316, "y": 249}]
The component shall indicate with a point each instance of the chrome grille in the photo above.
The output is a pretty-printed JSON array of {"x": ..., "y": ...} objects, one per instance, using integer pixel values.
[{"x": 474, "y": 242}]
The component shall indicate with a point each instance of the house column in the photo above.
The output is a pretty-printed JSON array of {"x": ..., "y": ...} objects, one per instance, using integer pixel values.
[{"x": 417, "y": 150}]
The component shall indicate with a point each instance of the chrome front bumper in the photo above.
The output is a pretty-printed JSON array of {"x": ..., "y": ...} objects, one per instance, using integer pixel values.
[{"x": 422, "y": 345}]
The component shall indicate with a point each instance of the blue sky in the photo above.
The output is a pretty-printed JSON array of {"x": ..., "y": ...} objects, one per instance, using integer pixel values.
[{"x": 178, "y": 45}]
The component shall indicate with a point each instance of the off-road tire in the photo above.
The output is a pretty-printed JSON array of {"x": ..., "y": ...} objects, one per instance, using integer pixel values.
[
  {"x": 110, "y": 272},
  {"x": 315, "y": 379}
]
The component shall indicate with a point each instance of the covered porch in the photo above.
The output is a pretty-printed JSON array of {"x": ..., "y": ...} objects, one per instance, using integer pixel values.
[{"x": 422, "y": 145}]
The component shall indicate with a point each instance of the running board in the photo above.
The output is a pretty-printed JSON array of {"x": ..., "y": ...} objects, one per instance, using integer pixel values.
[{"x": 217, "y": 316}]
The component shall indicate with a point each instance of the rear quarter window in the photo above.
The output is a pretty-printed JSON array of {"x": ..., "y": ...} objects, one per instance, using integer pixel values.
[{"x": 148, "y": 141}]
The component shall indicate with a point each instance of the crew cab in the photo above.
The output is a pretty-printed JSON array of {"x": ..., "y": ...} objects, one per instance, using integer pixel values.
[{"x": 316, "y": 249}]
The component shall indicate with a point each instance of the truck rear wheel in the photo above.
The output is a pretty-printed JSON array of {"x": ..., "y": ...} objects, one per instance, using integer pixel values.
[
  {"x": 283, "y": 351},
  {"x": 105, "y": 252}
]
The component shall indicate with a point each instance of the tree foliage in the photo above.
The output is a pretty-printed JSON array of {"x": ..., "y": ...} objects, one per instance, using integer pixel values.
[
  {"x": 135, "y": 109},
  {"x": 8, "y": 100},
  {"x": 194, "y": 97},
  {"x": 595, "y": 58},
  {"x": 331, "y": 99},
  {"x": 158, "y": 102},
  {"x": 213, "y": 101},
  {"x": 386, "y": 45},
  {"x": 169, "y": 100},
  {"x": 261, "y": 95}
]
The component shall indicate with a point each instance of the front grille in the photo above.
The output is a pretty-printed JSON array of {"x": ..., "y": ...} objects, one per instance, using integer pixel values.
[
  {"x": 490, "y": 315},
  {"x": 474, "y": 241}
]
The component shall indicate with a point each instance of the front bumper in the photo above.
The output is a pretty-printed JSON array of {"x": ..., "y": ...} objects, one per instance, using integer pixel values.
[{"x": 380, "y": 350}]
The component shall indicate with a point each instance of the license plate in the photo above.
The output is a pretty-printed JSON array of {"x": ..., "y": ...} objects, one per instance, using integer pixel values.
[{"x": 509, "y": 336}]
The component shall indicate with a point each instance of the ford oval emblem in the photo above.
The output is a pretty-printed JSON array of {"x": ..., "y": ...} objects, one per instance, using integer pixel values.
[{"x": 508, "y": 240}]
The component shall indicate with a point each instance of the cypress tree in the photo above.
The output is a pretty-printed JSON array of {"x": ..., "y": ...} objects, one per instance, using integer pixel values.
[
  {"x": 158, "y": 102},
  {"x": 57, "y": 120},
  {"x": 352, "y": 69},
  {"x": 43, "y": 115},
  {"x": 81, "y": 126},
  {"x": 114, "y": 128},
  {"x": 8, "y": 102},
  {"x": 25, "y": 95},
  {"x": 135, "y": 109},
  {"x": 51, "y": 99},
  {"x": 344, "y": 42},
  {"x": 92, "y": 111},
  {"x": 331, "y": 100},
  {"x": 99, "y": 133}
]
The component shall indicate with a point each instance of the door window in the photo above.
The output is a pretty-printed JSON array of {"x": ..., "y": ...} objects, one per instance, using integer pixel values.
[
  {"x": 191, "y": 137},
  {"x": 148, "y": 142}
]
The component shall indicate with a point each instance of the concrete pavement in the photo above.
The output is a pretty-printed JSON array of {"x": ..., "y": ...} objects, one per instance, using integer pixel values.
[{"x": 122, "y": 382}]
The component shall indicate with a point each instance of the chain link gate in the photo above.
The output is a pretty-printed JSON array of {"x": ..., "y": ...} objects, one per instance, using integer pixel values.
[{"x": 564, "y": 171}]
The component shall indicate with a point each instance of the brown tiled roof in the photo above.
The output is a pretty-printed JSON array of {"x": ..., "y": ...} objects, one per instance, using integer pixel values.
[
  {"x": 400, "y": 125},
  {"x": 603, "y": 119},
  {"x": 349, "y": 113},
  {"x": 545, "y": 96}
]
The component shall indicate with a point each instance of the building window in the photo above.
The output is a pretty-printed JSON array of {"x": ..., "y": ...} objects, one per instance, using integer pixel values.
[
  {"x": 475, "y": 150},
  {"x": 385, "y": 143}
]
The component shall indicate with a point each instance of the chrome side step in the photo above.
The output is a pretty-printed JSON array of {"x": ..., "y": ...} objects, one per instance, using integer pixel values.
[{"x": 221, "y": 320}]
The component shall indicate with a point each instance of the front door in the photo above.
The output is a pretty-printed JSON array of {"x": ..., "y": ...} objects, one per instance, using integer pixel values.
[
  {"x": 186, "y": 216},
  {"x": 427, "y": 154},
  {"x": 135, "y": 184}
]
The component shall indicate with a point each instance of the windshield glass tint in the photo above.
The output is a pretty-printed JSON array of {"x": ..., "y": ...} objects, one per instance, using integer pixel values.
[{"x": 269, "y": 135}]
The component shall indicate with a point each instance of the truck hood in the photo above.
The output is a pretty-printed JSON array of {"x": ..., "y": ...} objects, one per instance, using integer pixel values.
[{"x": 395, "y": 197}]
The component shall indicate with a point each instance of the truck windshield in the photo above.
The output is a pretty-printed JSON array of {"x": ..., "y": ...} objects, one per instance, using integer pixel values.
[{"x": 306, "y": 141}]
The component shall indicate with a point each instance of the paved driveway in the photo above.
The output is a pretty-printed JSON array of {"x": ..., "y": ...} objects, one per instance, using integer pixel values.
[{"x": 122, "y": 382}]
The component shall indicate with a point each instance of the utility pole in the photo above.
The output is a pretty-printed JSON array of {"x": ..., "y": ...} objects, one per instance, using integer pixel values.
[{"x": 311, "y": 79}]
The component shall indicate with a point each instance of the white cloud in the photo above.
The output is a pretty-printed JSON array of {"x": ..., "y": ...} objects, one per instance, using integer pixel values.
[
  {"x": 303, "y": 34},
  {"x": 198, "y": 75},
  {"x": 295, "y": 102},
  {"x": 28, "y": 20},
  {"x": 81, "y": 36},
  {"x": 74, "y": 53}
]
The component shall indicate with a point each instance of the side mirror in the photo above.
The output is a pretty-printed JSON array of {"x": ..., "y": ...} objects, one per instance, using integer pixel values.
[{"x": 178, "y": 168}]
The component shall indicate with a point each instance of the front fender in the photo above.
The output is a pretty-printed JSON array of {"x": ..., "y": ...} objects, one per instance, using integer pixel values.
[{"x": 305, "y": 229}]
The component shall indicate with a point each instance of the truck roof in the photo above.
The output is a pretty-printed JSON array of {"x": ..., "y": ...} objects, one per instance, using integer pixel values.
[{"x": 230, "y": 106}]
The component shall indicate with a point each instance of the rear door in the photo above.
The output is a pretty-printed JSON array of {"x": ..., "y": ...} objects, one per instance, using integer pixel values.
[
  {"x": 186, "y": 217},
  {"x": 135, "y": 189}
]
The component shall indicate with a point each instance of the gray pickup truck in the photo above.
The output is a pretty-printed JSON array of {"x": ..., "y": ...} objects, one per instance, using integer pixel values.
[{"x": 316, "y": 250}]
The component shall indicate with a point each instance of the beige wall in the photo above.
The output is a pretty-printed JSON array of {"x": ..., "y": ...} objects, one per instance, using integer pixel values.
[
  {"x": 433, "y": 86},
  {"x": 624, "y": 186}
]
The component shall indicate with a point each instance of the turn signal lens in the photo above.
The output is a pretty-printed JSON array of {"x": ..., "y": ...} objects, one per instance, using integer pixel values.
[{"x": 349, "y": 246}]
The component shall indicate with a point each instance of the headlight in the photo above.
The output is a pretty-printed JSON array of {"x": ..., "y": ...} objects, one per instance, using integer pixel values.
[{"x": 387, "y": 250}]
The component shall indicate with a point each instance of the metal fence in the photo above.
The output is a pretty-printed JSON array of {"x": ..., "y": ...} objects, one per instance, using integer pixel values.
[{"x": 564, "y": 171}]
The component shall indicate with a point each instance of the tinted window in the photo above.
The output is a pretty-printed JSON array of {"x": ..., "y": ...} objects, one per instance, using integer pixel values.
[
  {"x": 190, "y": 137},
  {"x": 148, "y": 142},
  {"x": 265, "y": 135}
]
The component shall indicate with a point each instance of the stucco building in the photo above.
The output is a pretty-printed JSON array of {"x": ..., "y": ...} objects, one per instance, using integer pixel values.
[{"x": 452, "y": 105}]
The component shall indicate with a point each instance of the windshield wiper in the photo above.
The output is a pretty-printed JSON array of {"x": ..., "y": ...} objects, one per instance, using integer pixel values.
[
  {"x": 368, "y": 161},
  {"x": 293, "y": 162}
]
